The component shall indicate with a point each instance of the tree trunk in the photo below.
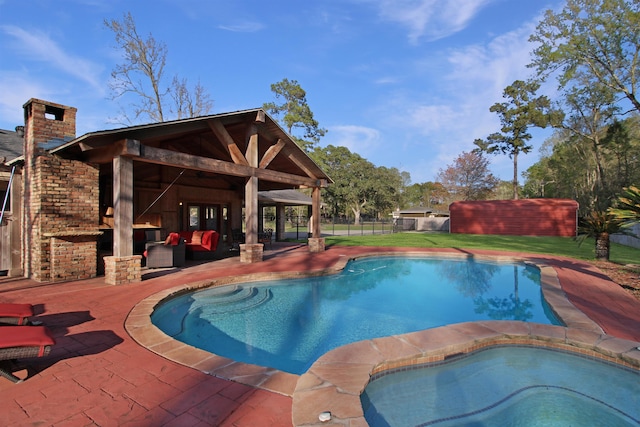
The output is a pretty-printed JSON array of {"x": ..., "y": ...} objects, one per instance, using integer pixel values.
[
  {"x": 356, "y": 216},
  {"x": 515, "y": 175},
  {"x": 602, "y": 246}
]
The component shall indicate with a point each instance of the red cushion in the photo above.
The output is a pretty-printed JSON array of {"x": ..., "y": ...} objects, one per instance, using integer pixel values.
[
  {"x": 175, "y": 238},
  {"x": 215, "y": 237},
  {"x": 205, "y": 240},
  {"x": 16, "y": 310},
  {"x": 25, "y": 336}
]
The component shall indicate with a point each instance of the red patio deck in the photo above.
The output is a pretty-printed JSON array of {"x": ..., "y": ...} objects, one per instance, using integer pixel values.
[{"x": 97, "y": 375}]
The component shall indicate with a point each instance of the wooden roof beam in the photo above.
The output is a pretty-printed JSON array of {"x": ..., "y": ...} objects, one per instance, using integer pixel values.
[
  {"x": 271, "y": 153},
  {"x": 133, "y": 148},
  {"x": 293, "y": 156},
  {"x": 101, "y": 155},
  {"x": 228, "y": 143}
]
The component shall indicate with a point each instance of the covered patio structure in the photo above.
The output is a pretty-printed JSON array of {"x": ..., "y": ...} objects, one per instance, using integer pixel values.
[
  {"x": 281, "y": 199},
  {"x": 192, "y": 174}
]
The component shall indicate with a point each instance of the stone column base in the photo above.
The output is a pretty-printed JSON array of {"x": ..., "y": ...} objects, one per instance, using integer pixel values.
[
  {"x": 250, "y": 253},
  {"x": 316, "y": 244},
  {"x": 122, "y": 270}
]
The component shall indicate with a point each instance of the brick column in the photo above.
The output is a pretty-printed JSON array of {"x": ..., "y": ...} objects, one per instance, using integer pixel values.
[
  {"x": 122, "y": 270},
  {"x": 251, "y": 252},
  {"x": 316, "y": 244}
]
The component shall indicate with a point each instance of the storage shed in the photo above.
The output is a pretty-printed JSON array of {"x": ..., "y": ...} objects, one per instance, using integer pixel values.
[{"x": 527, "y": 217}]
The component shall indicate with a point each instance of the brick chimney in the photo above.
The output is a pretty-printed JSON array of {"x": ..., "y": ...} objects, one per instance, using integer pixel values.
[{"x": 47, "y": 125}]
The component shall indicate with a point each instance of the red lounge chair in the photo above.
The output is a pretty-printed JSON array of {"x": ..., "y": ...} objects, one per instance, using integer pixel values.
[
  {"x": 18, "y": 342},
  {"x": 15, "y": 314}
]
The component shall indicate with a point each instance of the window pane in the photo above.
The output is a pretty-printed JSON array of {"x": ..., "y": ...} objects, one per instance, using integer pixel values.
[
  {"x": 194, "y": 218},
  {"x": 211, "y": 221}
]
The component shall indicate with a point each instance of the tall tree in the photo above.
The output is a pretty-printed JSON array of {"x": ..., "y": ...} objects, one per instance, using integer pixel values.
[
  {"x": 569, "y": 168},
  {"x": 140, "y": 77},
  {"x": 413, "y": 196},
  {"x": 468, "y": 178},
  {"x": 388, "y": 185},
  {"x": 358, "y": 185},
  {"x": 294, "y": 113},
  {"x": 189, "y": 102},
  {"x": 590, "y": 110},
  {"x": 522, "y": 110},
  {"x": 595, "y": 38},
  {"x": 428, "y": 194}
]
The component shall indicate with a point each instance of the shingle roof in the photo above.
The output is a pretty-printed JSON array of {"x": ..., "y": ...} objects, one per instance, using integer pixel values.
[{"x": 10, "y": 145}]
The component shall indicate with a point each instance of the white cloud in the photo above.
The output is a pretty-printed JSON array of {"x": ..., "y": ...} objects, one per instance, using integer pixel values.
[
  {"x": 472, "y": 80},
  {"x": 16, "y": 90},
  {"x": 243, "y": 27},
  {"x": 430, "y": 19},
  {"x": 493, "y": 66},
  {"x": 41, "y": 47},
  {"x": 387, "y": 80},
  {"x": 358, "y": 139},
  {"x": 444, "y": 119}
]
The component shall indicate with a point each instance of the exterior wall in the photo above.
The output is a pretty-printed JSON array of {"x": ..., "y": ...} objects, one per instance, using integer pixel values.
[
  {"x": 432, "y": 224},
  {"x": 11, "y": 227},
  {"x": 633, "y": 241},
  {"x": 231, "y": 199},
  {"x": 528, "y": 217}
]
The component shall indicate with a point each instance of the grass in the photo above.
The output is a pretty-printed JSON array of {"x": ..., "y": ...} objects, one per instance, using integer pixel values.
[{"x": 559, "y": 246}]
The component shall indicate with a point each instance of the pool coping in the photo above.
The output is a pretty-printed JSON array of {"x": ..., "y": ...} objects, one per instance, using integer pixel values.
[{"x": 334, "y": 382}]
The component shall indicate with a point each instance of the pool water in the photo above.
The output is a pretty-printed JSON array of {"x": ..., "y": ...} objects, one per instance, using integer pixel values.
[
  {"x": 506, "y": 386},
  {"x": 288, "y": 324}
]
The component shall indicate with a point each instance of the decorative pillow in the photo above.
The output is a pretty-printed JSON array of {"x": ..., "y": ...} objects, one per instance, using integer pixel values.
[
  {"x": 196, "y": 239},
  {"x": 175, "y": 238},
  {"x": 167, "y": 241},
  {"x": 206, "y": 238}
]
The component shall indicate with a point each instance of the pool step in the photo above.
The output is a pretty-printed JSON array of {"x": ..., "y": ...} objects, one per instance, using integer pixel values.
[{"x": 239, "y": 299}]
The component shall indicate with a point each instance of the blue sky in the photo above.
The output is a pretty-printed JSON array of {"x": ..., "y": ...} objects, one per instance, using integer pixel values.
[{"x": 403, "y": 83}]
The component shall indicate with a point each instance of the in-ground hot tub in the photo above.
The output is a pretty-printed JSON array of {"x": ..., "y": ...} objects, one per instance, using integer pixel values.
[{"x": 504, "y": 386}]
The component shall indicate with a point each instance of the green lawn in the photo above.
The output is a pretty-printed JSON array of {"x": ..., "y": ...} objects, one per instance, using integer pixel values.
[{"x": 561, "y": 246}]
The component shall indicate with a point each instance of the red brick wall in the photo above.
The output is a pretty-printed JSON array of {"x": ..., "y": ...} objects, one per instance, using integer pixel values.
[{"x": 528, "y": 217}]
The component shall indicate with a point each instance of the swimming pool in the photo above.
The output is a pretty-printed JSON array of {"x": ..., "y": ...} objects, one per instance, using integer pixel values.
[
  {"x": 506, "y": 386},
  {"x": 288, "y": 324}
]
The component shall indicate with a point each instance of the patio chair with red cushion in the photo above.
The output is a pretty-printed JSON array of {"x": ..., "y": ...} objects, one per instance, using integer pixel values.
[
  {"x": 170, "y": 253},
  {"x": 15, "y": 314},
  {"x": 20, "y": 342}
]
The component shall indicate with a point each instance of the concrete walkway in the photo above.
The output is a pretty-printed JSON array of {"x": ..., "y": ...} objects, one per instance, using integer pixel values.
[{"x": 97, "y": 375}]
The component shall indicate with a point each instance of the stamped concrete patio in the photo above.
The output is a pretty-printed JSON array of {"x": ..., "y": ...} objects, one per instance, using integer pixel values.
[{"x": 97, "y": 374}]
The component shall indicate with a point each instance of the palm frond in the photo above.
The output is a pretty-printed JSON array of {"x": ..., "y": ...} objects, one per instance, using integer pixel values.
[
  {"x": 598, "y": 223},
  {"x": 627, "y": 206}
]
